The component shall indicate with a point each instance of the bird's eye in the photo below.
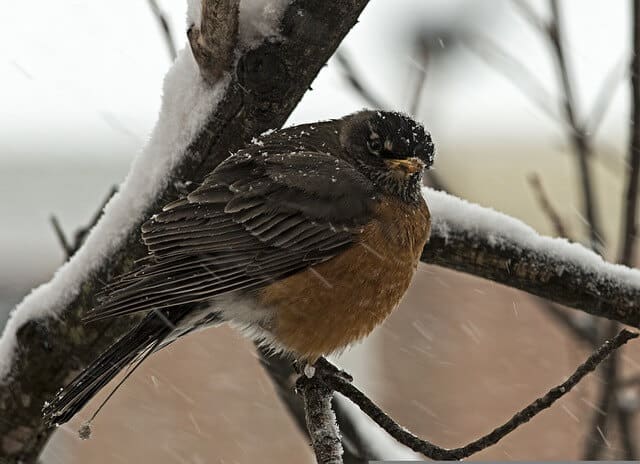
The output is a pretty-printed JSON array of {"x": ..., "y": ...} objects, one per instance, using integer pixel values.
[{"x": 375, "y": 146}]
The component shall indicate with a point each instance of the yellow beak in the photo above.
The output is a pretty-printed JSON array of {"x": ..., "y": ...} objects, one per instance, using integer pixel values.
[{"x": 409, "y": 165}]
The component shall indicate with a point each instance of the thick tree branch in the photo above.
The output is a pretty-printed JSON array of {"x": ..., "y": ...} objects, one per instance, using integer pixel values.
[
  {"x": 477, "y": 241},
  {"x": 269, "y": 81}
]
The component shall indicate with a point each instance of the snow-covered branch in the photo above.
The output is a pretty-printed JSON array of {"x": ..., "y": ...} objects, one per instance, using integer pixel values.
[
  {"x": 492, "y": 245},
  {"x": 321, "y": 419},
  {"x": 280, "y": 47}
]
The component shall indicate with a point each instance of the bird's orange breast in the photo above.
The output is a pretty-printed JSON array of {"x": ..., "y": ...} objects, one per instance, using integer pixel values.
[{"x": 331, "y": 305}]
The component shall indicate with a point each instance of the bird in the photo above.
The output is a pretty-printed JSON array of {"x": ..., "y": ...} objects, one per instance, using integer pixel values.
[{"x": 305, "y": 240}]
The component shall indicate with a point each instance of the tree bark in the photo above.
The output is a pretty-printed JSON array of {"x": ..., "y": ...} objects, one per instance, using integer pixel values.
[
  {"x": 551, "y": 277},
  {"x": 267, "y": 85}
]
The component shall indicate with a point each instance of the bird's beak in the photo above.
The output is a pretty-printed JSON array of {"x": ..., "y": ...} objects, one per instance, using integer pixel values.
[{"x": 408, "y": 166}]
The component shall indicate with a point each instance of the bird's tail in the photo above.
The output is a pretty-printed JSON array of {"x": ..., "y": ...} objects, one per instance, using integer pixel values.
[{"x": 130, "y": 350}]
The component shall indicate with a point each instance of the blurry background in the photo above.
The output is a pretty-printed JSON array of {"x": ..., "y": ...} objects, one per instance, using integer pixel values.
[{"x": 80, "y": 91}]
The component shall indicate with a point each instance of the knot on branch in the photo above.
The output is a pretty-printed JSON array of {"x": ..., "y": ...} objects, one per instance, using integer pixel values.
[{"x": 263, "y": 74}]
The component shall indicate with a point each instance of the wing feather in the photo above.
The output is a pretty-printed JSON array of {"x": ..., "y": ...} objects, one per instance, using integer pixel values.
[{"x": 258, "y": 217}]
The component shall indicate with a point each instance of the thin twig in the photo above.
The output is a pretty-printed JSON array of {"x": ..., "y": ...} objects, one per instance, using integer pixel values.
[
  {"x": 62, "y": 238},
  {"x": 515, "y": 71},
  {"x": 631, "y": 203},
  {"x": 579, "y": 138},
  {"x": 81, "y": 233},
  {"x": 627, "y": 252},
  {"x": 604, "y": 98},
  {"x": 525, "y": 415},
  {"x": 360, "y": 87},
  {"x": 357, "y": 82},
  {"x": 528, "y": 14},
  {"x": 166, "y": 29},
  {"x": 545, "y": 204},
  {"x": 421, "y": 78}
]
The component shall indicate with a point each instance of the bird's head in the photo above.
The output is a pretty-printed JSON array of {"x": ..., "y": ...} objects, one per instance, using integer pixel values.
[{"x": 390, "y": 148}]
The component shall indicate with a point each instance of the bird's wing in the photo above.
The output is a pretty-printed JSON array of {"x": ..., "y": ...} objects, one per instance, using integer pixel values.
[{"x": 260, "y": 216}]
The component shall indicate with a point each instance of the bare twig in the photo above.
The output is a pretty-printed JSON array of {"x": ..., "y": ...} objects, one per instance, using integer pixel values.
[
  {"x": 81, "y": 233},
  {"x": 515, "y": 71},
  {"x": 603, "y": 99},
  {"x": 212, "y": 42},
  {"x": 360, "y": 87},
  {"x": 523, "y": 416},
  {"x": 578, "y": 136},
  {"x": 528, "y": 14},
  {"x": 356, "y": 82},
  {"x": 610, "y": 396},
  {"x": 631, "y": 200},
  {"x": 166, "y": 29},
  {"x": 421, "y": 77},
  {"x": 62, "y": 238},
  {"x": 545, "y": 204}
]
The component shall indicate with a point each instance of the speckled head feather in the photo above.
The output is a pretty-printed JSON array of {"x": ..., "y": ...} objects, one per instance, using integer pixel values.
[
  {"x": 388, "y": 134},
  {"x": 389, "y": 148}
]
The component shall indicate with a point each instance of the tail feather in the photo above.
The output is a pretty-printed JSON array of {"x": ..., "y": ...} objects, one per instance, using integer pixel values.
[{"x": 140, "y": 341}]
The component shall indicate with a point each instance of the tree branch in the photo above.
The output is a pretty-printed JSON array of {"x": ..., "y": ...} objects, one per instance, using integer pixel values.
[
  {"x": 522, "y": 417},
  {"x": 269, "y": 81},
  {"x": 166, "y": 29},
  {"x": 356, "y": 446},
  {"x": 321, "y": 420},
  {"x": 631, "y": 203},
  {"x": 80, "y": 234},
  {"x": 482, "y": 242},
  {"x": 547, "y": 207},
  {"x": 210, "y": 41},
  {"x": 578, "y": 136}
]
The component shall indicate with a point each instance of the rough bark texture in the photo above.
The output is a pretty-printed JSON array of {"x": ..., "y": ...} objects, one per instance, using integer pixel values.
[
  {"x": 269, "y": 82},
  {"x": 321, "y": 420},
  {"x": 357, "y": 447},
  {"x": 552, "y": 278}
]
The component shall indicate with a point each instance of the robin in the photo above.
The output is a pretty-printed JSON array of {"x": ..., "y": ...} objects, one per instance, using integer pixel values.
[{"x": 305, "y": 240}]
